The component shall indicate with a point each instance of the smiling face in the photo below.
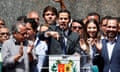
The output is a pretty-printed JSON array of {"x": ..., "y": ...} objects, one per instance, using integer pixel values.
[
  {"x": 92, "y": 30},
  {"x": 112, "y": 28}
]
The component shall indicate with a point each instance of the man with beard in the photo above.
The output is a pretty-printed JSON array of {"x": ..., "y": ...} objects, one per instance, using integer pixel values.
[{"x": 111, "y": 47}]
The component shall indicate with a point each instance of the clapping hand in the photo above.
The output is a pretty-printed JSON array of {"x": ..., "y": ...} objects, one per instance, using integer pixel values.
[
  {"x": 30, "y": 47},
  {"x": 29, "y": 50},
  {"x": 98, "y": 45},
  {"x": 90, "y": 41},
  {"x": 21, "y": 49},
  {"x": 20, "y": 54}
]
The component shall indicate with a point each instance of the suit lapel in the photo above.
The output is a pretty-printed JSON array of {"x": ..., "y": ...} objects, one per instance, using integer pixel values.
[
  {"x": 68, "y": 44},
  {"x": 105, "y": 51},
  {"x": 69, "y": 41}
]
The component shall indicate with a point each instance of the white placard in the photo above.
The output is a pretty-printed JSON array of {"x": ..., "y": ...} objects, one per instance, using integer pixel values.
[{"x": 60, "y": 63}]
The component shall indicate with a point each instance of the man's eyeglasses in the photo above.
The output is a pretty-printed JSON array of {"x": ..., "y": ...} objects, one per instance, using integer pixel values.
[
  {"x": 5, "y": 33},
  {"x": 75, "y": 27},
  {"x": 24, "y": 33}
]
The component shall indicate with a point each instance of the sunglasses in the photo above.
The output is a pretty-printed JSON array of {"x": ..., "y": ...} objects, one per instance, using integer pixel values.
[
  {"x": 2, "y": 24},
  {"x": 35, "y": 18},
  {"x": 75, "y": 27},
  {"x": 5, "y": 33},
  {"x": 24, "y": 33}
]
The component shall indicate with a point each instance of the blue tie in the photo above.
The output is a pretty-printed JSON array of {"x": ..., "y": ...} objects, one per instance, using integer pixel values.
[
  {"x": 37, "y": 42},
  {"x": 63, "y": 43}
]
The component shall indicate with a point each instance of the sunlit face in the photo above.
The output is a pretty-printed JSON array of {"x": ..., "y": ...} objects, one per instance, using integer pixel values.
[
  {"x": 63, "y": 20},
  {"x": 4, "y": 34},
  {"x": 49, "y": 17},
  {"x": 92, "y": 30},
  {"x": 30, "y": 31},
  {"x": 76, "y": 27},
  {"x": 112, "y": 28},
  {"x": 103, "y": 26}
]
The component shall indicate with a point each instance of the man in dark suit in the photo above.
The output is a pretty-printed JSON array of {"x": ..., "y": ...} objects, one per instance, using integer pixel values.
[
  {"x": 60, "y": 40},
  {"x": 111, "y": 47},
  {"x": 71, "y": 44}
]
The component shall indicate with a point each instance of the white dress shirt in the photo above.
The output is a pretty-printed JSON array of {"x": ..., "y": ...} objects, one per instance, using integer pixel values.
[
  {"x": 40, "y": 50},
  {"x": 110, "y": 47}
]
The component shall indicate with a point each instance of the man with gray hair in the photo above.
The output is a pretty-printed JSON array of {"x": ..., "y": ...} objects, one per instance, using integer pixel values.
[{"x": 17, "y": 52}]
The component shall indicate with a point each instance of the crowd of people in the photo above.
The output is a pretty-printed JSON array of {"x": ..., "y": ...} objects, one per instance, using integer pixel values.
[{"x": 26, "y": 47}]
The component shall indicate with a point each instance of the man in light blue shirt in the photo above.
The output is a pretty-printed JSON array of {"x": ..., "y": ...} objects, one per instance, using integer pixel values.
[{"x": 40, "y": 50}]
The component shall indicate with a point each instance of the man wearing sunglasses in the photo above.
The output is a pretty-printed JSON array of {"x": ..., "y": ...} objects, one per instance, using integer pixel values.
[
  {"x": 4, "y": 35},
  {"x": 77, "y": 26}
]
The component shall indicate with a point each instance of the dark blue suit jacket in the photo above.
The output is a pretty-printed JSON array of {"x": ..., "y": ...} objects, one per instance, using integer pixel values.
[
  {"x": 114, "y": 63},
  {"x": 55, "y": 46}
]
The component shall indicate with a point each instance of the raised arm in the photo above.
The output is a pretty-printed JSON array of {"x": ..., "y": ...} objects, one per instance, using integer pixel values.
[{"x": 62, "y": 4}]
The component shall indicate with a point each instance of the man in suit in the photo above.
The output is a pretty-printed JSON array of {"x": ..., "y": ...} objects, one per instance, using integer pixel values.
[
  {"x": 71, "y": 44},
  {"x": 111, "y": 47},
  {"x": 60, "y": 40}
]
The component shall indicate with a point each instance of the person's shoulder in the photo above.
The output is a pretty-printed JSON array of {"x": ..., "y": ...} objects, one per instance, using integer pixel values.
[
  {"x": 52, "y": 27},
  {"x": 74, "y": 34},
  {"x": 9, "y": 41},
  {"x": 118, "y": 37}
]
